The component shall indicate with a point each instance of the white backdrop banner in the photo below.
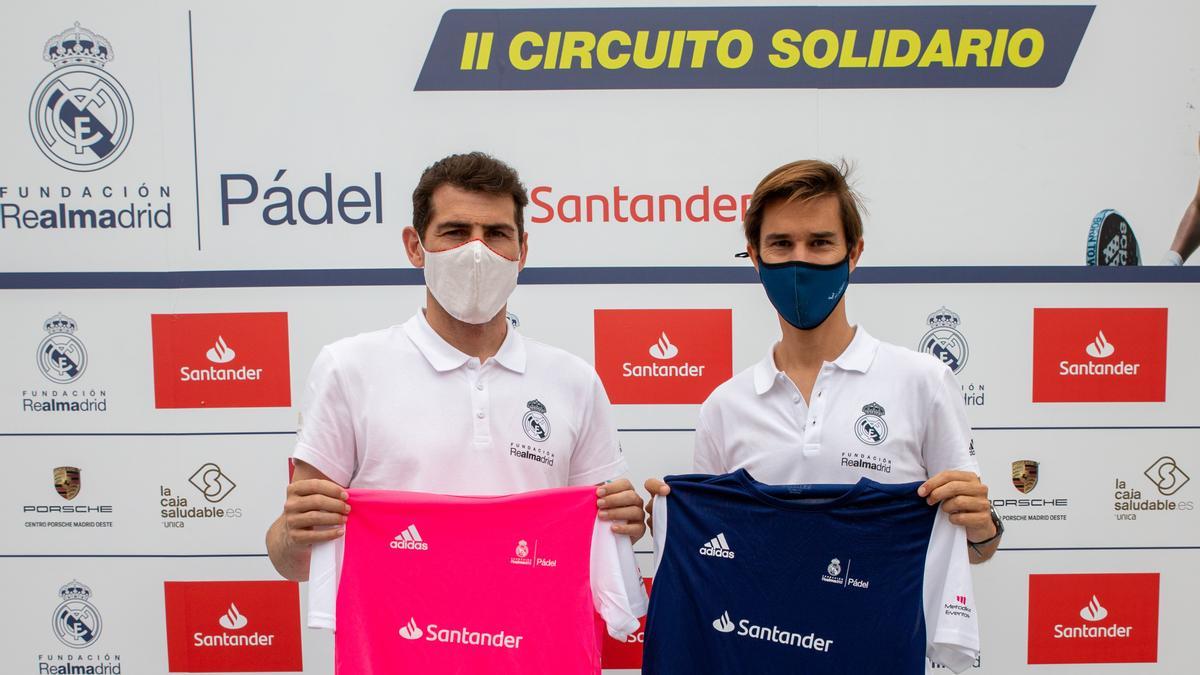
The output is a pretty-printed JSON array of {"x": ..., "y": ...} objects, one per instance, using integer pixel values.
[{"x": 195, "y": 198}]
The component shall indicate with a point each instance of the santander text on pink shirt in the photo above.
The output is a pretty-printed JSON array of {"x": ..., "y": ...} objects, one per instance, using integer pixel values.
[{"x": 438, "y": 584}]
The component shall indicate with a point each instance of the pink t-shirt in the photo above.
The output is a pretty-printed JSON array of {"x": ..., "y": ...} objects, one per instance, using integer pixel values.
[{"x": 439, "y": 584}]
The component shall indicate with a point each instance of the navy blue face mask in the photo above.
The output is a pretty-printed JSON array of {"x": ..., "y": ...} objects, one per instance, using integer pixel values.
[{"x": 804, "y": 294}]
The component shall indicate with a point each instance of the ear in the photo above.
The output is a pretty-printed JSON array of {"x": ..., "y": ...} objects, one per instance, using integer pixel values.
[
  {"x": 412, "y": 246},
  {"x": 750, "y": 251},
  {"x": 856, "y": 253},
  {"x": 524, "y": 251}
]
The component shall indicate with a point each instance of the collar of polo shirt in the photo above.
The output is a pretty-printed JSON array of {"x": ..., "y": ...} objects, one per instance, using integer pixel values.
[
  {"x": 857, "y": 356},
  {"x": 444, "y": 357}
]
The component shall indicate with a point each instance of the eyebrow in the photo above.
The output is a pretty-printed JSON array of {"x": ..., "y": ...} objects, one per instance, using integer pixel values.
[{"x": 487, "y": 226}]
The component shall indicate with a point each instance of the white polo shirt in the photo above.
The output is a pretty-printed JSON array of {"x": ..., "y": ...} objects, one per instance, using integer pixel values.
[
  {"x": 879, "y": 410},
  {"x": 401, "y": 409}
]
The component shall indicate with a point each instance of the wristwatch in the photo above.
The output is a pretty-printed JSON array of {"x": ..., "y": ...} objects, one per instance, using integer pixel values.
[{"x": 999, "y": 531}]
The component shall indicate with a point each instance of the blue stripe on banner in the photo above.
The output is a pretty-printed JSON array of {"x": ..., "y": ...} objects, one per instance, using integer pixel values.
[{"x": 594, "y": 275}]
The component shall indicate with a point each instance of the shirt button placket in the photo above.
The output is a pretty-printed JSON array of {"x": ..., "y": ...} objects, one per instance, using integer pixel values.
[
  {"x": 481, "y": 405},
  {"x": 816, "y": 410}
]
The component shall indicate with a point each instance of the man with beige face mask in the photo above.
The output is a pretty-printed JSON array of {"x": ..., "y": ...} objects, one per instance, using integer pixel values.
[{"x": 454, "y": 400}]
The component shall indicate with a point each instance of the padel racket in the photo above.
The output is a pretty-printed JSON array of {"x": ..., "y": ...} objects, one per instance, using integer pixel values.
[{"x": 1111, "y": 241}]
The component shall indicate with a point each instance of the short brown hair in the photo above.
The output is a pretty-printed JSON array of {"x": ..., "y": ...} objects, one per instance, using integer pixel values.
[
  {"x": 803, "y": 180},
  {"x": 474, "y": 172}
]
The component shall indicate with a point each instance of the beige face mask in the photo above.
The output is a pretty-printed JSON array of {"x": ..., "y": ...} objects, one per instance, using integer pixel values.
[{"x": 470, "y": 281}]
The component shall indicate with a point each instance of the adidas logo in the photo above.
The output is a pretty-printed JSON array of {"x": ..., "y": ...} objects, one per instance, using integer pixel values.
[
  {"x": 717, "y": 547},
  {"x": 410, "y": 540}
]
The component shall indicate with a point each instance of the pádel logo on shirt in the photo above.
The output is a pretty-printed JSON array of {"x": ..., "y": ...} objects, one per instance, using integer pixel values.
[
  {"x": 835, "y": 573},
  {"x": 717, "y": 547},
  {"x": 460, "y": 636},
  {"x": 746, "y": 628},
  {"x": 663, "y": 355},
  {"x": 233, "y": 626},
  {"x": 1099, "y": 355},
  {"x": 221, "y": 360},
  {"x": 1093, "y": 618},
  {"x": 870, "y": 427},
  {"x": 409, "y": 540},
  {"x": 526, "y": 555}
]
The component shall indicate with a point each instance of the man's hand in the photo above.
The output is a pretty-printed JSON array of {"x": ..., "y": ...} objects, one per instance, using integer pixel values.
[
  {"x": 965, "y": 498},
  {"x": 657, "y": 488},
  {"x": 618, "y": 501},
  {"x": 312, "y": 503}
]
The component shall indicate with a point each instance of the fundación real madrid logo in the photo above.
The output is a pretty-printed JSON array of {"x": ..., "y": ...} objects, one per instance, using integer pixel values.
[
  {"x": 76, "y": 621},
  {"x": 535, "y": 422},
  {"x": 67, "y": 481},
  {"x": 870, "y": 428},
  {"x": 944, "y": 341},
  {"x": 61, "y": 356},
  {"x": 835, "y": 568},
  {"x": 1025, "y": 475},
  {"x": 80, "y": 115}
]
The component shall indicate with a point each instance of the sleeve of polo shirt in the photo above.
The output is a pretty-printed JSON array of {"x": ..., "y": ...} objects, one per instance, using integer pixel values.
[
  {"x": 326, "y": 437},
  {"x": 946, "y": 445},
  {"x": 706, "y": 455},
  {"x": 596, "y": 456}
]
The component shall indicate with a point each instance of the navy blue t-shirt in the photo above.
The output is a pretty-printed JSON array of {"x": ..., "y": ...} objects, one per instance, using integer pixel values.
[{"x": 811, "y": 579}]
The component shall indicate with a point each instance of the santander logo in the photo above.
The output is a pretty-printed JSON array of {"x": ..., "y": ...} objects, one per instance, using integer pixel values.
[
  {"x": 461, "y": 636},
  {"x": 411, "y": 631},
  {"x": 663, "y": 349},
  {"x": 1094, "y": 611},
  {"x": 225, "y": 360},
  {"x": 1100, "y": 348},
  {"x": 1098, "y": 354},
  {"x": 232, "y": 626},
  {"x": 220, "y": 352},
  {"x": 723, "y": 623},
  {"x": 639, "y": 361},
  {"x": 233, "y": 619}
]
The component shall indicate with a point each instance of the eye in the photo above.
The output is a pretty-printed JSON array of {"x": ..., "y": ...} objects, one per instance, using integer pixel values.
[
  {"x": 818, "y": 243},
  {"x": 781, "y": 243}
]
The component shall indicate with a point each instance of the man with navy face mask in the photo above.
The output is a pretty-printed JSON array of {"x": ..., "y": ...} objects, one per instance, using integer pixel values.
[{"x": 829, "y": 403}]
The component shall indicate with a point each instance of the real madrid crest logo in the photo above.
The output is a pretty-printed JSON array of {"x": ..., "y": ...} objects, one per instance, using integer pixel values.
[
  {"x": 870, "y": 428},
  {"x": 535, "y": 422},
  {"x": 76, "y": 621},
  {"x": 944, "y": 341},
  {"x": 835, "y": 568},
  {"x": 61, "y": 355},
  {"x": 80, "y": 115}
]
